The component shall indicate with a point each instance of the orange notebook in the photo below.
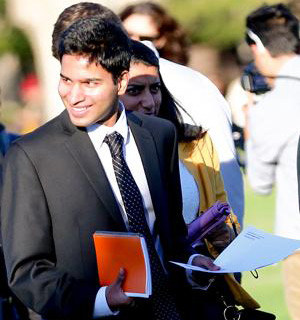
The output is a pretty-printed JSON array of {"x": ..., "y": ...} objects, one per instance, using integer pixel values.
[{"x": 128, "y": 250}]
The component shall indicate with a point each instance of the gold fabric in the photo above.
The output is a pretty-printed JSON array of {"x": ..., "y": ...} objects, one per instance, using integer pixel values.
[{"x": 201, "y": 159}]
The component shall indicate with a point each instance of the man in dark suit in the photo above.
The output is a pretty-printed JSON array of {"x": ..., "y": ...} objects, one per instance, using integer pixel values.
[{"x": 59, "y": 186}]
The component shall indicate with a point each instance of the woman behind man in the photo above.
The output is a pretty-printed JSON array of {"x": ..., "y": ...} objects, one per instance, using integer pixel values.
[{"x": 201, "y": 180}]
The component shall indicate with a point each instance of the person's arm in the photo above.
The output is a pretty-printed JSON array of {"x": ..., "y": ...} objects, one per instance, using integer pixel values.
[
  {"x": 29, "y": 247},
  {"x": 30, "y": 254},
  {"x": 260, "y": 173},
  {"x": 265, "y": 141}
]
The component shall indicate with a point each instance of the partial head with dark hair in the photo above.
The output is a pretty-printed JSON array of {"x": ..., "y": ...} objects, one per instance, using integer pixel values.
[
  {"x": 141, "y": 53},
  {"x": 276, "y": 27},
  {"x": 150, "y": 21},
  {"x": 79, "y": 11},
  {"x": 102, "y": 41}
]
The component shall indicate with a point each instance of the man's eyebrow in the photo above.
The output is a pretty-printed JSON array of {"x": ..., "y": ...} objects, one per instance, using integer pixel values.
[
  {"x": 92, "y": 79},
  {"x": 83, "y": 80},
  {"x": 63, "y": 76}
]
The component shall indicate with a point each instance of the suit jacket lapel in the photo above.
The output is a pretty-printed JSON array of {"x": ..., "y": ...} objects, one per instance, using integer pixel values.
[
  {"x": 84, "y": 153},
  {"x": 82, "y": 150},
  {"x": 148, "y": 152}
]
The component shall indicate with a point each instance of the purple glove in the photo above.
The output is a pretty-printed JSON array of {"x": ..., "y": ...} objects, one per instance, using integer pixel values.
[{"x": 208, "y": 220}]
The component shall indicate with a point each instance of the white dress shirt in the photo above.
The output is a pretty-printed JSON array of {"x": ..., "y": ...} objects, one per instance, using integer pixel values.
[{"x": 97, "y": 134}]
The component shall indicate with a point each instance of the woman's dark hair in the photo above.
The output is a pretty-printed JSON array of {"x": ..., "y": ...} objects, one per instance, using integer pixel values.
[
  {"x": 169, "y": 108},
  {"x": 176, "y": 46}
]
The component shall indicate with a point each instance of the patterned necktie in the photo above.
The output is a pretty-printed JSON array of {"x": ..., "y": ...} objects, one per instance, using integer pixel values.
[{"x": 163, "y": 303}]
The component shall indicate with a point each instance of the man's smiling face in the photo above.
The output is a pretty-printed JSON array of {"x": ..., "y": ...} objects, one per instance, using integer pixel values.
[{"x": 89, "y": 92}]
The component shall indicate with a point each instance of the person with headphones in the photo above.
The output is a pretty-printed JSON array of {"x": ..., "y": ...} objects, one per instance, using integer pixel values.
[{"x": 273, "y": 128}]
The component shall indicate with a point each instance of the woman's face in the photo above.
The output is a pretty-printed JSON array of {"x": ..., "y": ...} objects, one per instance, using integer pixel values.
[{"x": 143, "y": 93}]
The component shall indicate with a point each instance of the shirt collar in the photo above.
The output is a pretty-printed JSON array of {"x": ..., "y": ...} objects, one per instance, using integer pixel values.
[{"x": 120, "y": 126}]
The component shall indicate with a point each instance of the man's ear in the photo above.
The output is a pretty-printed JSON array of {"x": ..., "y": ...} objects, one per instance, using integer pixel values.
[
  {"x": 253, "y": 48},
  {"x": 123, "y": 82},
  {"x": 257, "y": 49}
]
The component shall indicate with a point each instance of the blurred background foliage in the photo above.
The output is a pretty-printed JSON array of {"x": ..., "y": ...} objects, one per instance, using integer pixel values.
[
  {"x": 220, "y": 24},
  {"x": 14, "y": 41}
]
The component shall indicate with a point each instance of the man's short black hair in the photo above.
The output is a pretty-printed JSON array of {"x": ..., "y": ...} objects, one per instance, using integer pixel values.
[
  {"x": 79, "y": 11},
  {"x": 276, "y": 27},
  {"x": 102, "y": 41}
]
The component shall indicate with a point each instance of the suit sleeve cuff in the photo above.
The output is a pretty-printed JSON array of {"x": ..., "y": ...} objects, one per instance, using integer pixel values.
[{"x": 101, "y": 308}]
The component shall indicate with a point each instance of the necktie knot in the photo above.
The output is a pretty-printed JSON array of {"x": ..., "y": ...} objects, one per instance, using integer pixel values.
[{"x": 115, "y": 143}]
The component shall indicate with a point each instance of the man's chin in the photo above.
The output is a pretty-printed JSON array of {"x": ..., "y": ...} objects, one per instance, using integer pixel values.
[
  {"x": 89, "y": 118},
  {"x": 80, "y": 122},
  {"x": 108, "y": 120}
]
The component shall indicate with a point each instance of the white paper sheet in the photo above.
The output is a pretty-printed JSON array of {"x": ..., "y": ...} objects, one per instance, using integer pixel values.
[{"x": 252, "y": 249}]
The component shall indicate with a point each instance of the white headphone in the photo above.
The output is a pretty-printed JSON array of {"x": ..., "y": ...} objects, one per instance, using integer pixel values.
[{"x": 256, "y": 39}]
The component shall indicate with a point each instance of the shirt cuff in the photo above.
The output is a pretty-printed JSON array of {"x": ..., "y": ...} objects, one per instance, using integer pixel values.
[
  {"x": 189, "y": 275},
  {"x": 101, "y": 308}
]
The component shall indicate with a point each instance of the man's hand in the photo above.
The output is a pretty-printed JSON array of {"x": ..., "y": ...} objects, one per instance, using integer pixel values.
[
  {"x": 115, "y": 296},
  {"x": 203, "y": 278}
]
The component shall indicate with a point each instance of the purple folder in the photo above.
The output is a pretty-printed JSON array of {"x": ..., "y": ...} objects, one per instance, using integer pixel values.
[{"x": 208, "y": 220}]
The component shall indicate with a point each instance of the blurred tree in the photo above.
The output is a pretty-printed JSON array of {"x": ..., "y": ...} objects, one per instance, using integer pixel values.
[
  {"x": 294, "y": 6},
  {"x": 220, "y": 23},
  {"x": 14, "y": 41}
]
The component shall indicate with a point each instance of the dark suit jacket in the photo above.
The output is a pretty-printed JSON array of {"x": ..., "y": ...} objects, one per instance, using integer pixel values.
[{"x": 56, "y": 195}]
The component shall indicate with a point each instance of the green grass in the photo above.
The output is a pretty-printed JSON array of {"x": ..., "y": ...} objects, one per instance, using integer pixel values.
[{"x": 267, "y": 289}]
